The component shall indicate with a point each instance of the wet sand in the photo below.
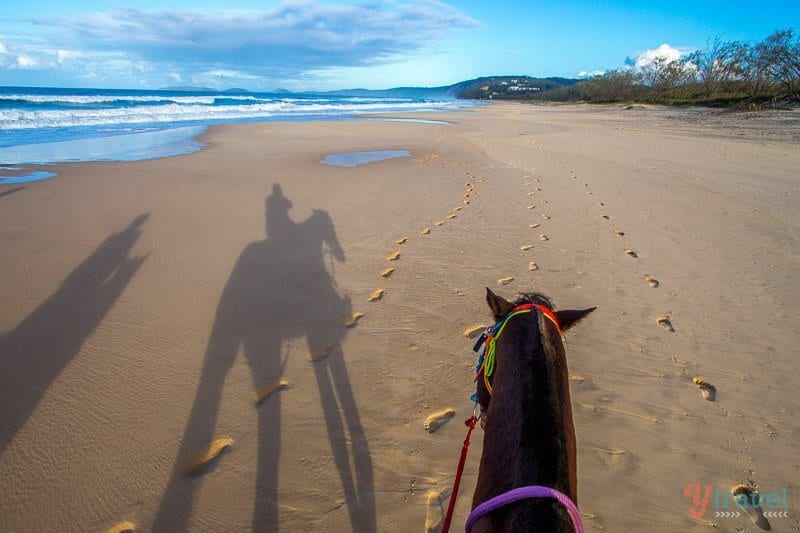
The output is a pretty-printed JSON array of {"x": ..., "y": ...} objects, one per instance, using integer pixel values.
[{"x": 187, "y": 342}]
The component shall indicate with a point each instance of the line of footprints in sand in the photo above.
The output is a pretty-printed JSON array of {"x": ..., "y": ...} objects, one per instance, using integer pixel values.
[
  {"x": 707, "y": 390},
  {"x": 439, "y": 418}
]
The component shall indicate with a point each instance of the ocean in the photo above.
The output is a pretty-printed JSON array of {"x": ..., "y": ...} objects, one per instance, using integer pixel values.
[{"x": 53, "y": 125}]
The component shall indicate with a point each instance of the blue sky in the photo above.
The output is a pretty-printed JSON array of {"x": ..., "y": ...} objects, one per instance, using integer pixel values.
[{"x": 328, "y": 44}]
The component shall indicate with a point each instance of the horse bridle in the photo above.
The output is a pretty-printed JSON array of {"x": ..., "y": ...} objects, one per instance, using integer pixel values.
[{"x": 485, "y": 364}]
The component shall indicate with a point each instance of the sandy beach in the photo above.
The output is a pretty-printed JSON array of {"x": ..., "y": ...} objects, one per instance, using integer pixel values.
[{"x": 150, "y": 308}]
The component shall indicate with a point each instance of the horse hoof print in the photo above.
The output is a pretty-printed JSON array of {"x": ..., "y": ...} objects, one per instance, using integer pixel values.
[
  {"x": 438, "y": 419},
  {"x": 352, "y": 319},
  {"x": 201, "y": 461},
  {"x": 708, "y": 390},
  {"x": 264, "y": 393}
]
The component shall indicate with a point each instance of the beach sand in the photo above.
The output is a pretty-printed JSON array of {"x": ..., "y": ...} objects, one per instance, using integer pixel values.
[{"x": 152, "y": 308}]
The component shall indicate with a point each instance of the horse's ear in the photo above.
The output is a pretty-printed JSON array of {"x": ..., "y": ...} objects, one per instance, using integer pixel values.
[
  {"x": 568, "y": 317},
  {"x": 499, "y": 305}
]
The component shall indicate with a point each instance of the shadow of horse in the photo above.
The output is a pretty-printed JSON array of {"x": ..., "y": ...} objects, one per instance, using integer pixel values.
[
  {"x": 279, "y": 289},
  {"x": 39, "y": 348}
]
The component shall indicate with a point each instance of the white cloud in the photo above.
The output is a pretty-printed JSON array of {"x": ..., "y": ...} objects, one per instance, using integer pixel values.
[
  {"x": 8, "y": 56},
  {"x": 64, "y": 56},
  {"x": 26, "y": 61},
  {"x": 640, "y": 60},
  {"x": 589, "y": 74},
  {"x": 291, "y": 39}
]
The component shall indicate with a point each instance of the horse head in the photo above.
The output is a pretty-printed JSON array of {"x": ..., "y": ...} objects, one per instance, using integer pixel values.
[{"x": 523, "y": 392}]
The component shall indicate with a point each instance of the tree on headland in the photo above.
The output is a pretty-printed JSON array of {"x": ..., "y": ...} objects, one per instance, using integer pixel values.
[
  {"x": 717, "y": 65},
  {"x": 613, "y": 86},
  {"x": 780, "y": 53}
]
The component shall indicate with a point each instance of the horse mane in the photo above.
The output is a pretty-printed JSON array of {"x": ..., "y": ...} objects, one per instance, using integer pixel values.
[{"x": 532, "y": 298}]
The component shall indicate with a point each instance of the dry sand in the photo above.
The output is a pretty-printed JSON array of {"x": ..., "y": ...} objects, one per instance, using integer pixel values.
[{"x": 146, "y": 313}]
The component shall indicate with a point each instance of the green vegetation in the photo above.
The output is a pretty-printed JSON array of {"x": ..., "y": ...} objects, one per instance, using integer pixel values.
[
  {"x": 732, "y": 74},
  {"x": 509, "y": 87}
]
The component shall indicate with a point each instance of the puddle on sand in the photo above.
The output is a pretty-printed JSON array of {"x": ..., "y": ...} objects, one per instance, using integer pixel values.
[
  {"x": 31, "y": 176},
  {"x": 353, "y": 159}
]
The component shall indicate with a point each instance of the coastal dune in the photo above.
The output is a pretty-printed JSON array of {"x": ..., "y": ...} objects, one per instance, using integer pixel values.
[{"x": 196, "y": 341}]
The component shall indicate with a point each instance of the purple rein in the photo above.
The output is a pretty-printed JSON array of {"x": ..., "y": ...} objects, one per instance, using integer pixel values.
[{"x": 524, "y": 493}]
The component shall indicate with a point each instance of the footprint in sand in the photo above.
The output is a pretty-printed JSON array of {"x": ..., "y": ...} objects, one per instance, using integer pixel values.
[
  {"x": 377, "y": 294},
  {"x": 619, "y": 232},
  {"x": 631, "y": 253},
  {"x": 526, "y": 247},
  {"x": 546, "y": 217},
  {"x": 665, "y": 322},
  {"x": 438, "y": 223},
  {"x": 531, "y": 207},
  {"x": 438, "y": 419},
  {"x": 543, "y": 238},
  {"x": 452, "y": 216},
  {"x": 424, "y": 231},
  {"x": 386, "y": 273},
  {"x": 652, "y": 281},
  {"x": 600, "y": 204},
  {"x": 394, "y": 256},
  {"x": 264, "y": 393},
  {"x": 473, "y": 332},
  {"x": 708, "y": 390},
  {"x": 321, "y": 353},
  {"x": 201, "y": 461},
  {"x": 534, "y": 225},
  {"x": 543, "y": 200},
  {"x": 457, "y": 208},
  {"x": 401, "y": 240},
  {"x": 532, "y": 266},
  {"x": 748, "y": 499},
  {"x": 353, "y": 318},
  {"x": 531, "y": 193},
  {"x": 604, "y": 216},
  {"x": 434, "y": 513},
  {"x": 504, "y": 281},
  {"x": 122, "y": 527}
]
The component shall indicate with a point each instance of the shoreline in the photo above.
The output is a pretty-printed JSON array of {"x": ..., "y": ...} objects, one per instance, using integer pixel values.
[
  {"x": 711, "y": 117},
  {"x": 126, "y": 286},
  {"x": 16, "y": 173}
]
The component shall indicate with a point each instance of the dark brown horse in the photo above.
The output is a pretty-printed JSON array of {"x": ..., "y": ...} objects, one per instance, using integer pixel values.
[{"x": 529, "y": 437}]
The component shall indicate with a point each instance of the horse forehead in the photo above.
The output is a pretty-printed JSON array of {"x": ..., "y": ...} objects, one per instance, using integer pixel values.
[{"x": 548, "y": 334}]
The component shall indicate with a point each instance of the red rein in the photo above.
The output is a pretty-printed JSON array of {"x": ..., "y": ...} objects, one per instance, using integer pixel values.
[{"x": 469, "y": 422}]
